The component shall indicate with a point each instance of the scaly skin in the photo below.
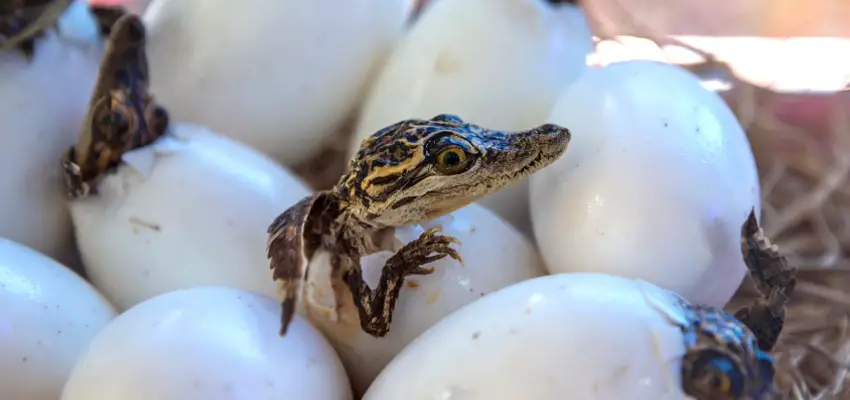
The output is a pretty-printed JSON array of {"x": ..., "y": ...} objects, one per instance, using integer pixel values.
[
  {"x": 727, "y": 357},
  {"x": 122, "y": 115},
  {"x": 407, "y": 173}
]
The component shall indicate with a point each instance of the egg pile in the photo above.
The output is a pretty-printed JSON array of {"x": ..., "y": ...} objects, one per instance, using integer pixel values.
[{"x": 146, "y": 274}]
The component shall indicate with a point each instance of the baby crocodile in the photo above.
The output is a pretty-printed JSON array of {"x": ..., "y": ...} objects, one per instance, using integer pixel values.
[
  {"x": 122, "y": 114},
  {"x": 405, "y": 174},
  {"x": 727, "y": 357}
]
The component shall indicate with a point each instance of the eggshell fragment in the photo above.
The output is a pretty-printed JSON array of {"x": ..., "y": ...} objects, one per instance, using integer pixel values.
[
  {"x": 48, "y": 316},
  {"x": 500, "y": 64},
  {"x": 42, "y": 104},
  {"x": 207, "y": 343},
  {"x": 566, "y": 336},
  {"x": 494, "y": 255},
  {"x": 190, "y": 210},
  {"x": 279, "y": 75},
  {"x": 656, "y": 184}
]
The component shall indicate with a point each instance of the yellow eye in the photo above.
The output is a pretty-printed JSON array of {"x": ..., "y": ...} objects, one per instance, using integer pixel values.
[
  {"x": 452, "y": 160},
  {"x": 712, "y": 374},
  {"x": 121, "y": 120},
  {"x": 722, "y": 384}
]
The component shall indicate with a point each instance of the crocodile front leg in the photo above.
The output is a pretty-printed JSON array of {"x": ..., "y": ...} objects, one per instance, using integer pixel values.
[{"x": 376, "y": 306}]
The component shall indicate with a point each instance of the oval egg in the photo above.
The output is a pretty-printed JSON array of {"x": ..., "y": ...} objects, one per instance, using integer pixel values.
[
  {"x": 499, "y": 63},
  {"x": 655, "y": 185},
  {"x": 42, "y": 104},
  {"x": 190, "y": 210},
  {"x": 494, "y": 255},
  {"x": 210, "y": 343},
  {"x": 279, "y": 75},
  {"x": 565, "y": 336},
  {"x": 49, "y": 316}
]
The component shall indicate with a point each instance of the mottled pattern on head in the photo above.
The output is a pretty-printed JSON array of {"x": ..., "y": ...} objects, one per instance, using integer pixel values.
[
  {"x": 416, "y": 169},
  {"x": 388, "y": 154},
  {"x": 723, "y": 359}
]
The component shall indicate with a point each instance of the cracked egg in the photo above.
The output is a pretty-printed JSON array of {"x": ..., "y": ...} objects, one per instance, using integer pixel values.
[
  {"x": 567, "y": 336},
  {"x": 191, "y": 209},
  {"x": 494, "y": 255}
]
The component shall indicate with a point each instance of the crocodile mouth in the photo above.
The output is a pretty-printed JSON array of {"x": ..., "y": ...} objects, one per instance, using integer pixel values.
[{"x": 534, "y": 165}]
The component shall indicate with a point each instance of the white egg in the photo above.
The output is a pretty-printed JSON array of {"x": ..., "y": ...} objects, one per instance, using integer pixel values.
[
  {"x": 208, "y": 343},
  {"x": 190, "y": 210},
  {"x": 49, "y": 316},
  {"x": 42, "y": 104},
  {"x": 496, "y": 63},
  {"x": 656, "y": 184},
  {"x": 565, "y": 336},
  {"x": 279, "y": 75},
  {"x": 494, "y": 255}
]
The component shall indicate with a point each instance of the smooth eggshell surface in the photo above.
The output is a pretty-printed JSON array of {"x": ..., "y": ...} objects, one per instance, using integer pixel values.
[
  {"x": 42, "y": 104},
  {"x": 566, "y": 336},
  {"x": 190, "y": 210},
  {"x": 207, "y": 343},
  {"x": 48, "y": 316},
  {"x": 500, "y": 64},
  {"x": 494, "y": 255},
  {"x": 279, "y": 75},
  {"x": 656, "y": 184}
]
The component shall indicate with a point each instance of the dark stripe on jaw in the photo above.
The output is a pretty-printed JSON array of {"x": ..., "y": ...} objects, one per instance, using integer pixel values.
[
  {"x": 383, "y": 180},
  {"x": 403, "y": 202},
  {"x": 415, "y": 176}
]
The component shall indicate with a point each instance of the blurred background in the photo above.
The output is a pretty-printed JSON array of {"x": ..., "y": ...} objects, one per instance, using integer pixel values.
[{"x": 767, "y": 18}]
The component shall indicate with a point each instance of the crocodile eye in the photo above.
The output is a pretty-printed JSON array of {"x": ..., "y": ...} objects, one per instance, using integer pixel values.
[
  {"x": 117, "y": 118},
  {"x": 450, "y": 154},
  {"x": 452, "y": 160},
  {"x": 713, "y": 375},
  {"x": 123, "y": 120}
]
